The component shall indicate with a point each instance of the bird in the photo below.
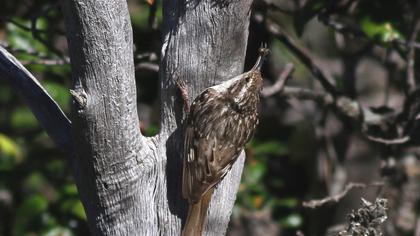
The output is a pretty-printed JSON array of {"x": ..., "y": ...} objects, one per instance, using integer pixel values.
[{"x": 220, "y": 121}]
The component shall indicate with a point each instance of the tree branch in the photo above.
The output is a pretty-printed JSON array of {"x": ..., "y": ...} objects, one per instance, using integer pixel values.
[
  {"x": 148, "y": 66},
  {"x": 352, "y": 109},
  {"x": 113, "y": 159},
  {"x": 45, "y": 109},
  {"x": 303, "y": 54},
  {"x": 347, "y": 29},
  {"x": 279, "y": 84},
  {"x": 344, "y": 105},
  {"x": 337, "y": 197},
  {"x": 332, "y": 199},
  {"x": 307, "y": 94}
]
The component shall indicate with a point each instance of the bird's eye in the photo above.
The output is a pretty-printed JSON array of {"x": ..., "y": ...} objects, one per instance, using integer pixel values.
[{"x": 247, "y": 79}]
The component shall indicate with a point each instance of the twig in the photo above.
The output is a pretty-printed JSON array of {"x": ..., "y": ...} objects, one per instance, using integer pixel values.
[
  {"x": 28, "y": 50},
  {"x": 404, "y": 43},
  {"x": 356, "y": 32},
  {"x": 36, "y": 32},
  {"x": 394, "y": 141},
  {"x": 41, "y": 59},
  {"x": 36, "y": 35},
  {"x": 341, "y": 27},
  {"x": 150, "y": 56},
  {"x": 335, "y": 198},
  {"x": 307, "y": 94},
  {"x": 302, "y": 53},
  {"x": 19, "y": 25},
  {"x": 279, "y": 84},
  {"x": 332, "y": 199},
  {"x": 47, "y": 62},
  {"x": 350, "y": 108},
  {"x": 345, "y": 105},
  {"x": 148, "y": 66}
]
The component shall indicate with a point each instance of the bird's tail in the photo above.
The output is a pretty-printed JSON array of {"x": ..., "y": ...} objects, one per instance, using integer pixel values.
[{"x": 196, "y": 217}]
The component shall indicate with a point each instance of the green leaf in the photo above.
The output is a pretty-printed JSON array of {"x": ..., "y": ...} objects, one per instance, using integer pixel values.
[
  {"x": 22, "y": 118},
  {"x": 151, "y": 130},
  {"x": 30, "y": 210},
  {"x": 48, "y": 221},
  {"x": 10, "y": 153},
  {"x": 35, "y": 182},
  {"x": 9, "y": 148},
  {"x": 74, "y": 207},
  {"x": 33, "y": 206},
  {"x": 56, "y": 166},
  {"x": 270, "y": 148},
  {"x": 41, "y": 23},
  {"x": 287, "y": 202},
  {"x": 139, "y": 16},
  {"x": 78, "y": 210},
  {"x": 70, "y": 189},
  {"x": 383, "y": 31},
  {"x": 255, "y": 172},
  {"x": 59, "y": 93},
  {"x": 22, "y": 39}
]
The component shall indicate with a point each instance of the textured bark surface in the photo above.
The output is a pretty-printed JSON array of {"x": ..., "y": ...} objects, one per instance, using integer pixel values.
[
  {"x": 111, "y": 154},
  {"x": 130, "y": 184},
  {"x": 204, "y": 44}
]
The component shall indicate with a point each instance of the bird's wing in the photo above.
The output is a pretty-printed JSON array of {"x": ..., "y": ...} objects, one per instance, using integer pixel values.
[{"x": 209, "y": 157}]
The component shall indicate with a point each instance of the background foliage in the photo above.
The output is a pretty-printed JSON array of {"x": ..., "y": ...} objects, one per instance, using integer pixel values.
[{"x": 305, "y": 148}]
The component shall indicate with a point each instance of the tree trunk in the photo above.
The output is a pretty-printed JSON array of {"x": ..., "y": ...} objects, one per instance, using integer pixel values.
[
  {"x": 130, "y": 184},
  {"x": 204, "y": 44}
]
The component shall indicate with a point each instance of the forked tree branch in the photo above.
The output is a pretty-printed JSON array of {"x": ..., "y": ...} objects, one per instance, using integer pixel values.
[{"x": 130, "y": 184}]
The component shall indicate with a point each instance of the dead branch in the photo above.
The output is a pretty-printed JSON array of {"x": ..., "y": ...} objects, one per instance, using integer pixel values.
[
  {"x": 301, "y": 52},
  {"x": 336, "y": 198},
  {"x": 332, "y": 199},
  {"x": 148, "y": 66},
  {"x": 279, "y": 84}
]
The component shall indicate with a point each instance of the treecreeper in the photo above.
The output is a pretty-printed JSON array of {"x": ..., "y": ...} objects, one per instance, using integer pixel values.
[{"x": 220, "y": 121}]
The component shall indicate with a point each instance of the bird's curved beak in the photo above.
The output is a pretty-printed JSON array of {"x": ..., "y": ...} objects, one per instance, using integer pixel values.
[{"x": 263, "y": 52}]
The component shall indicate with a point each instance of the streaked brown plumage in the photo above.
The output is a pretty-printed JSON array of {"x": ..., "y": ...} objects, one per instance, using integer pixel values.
[{"x": 221, "y": 120}]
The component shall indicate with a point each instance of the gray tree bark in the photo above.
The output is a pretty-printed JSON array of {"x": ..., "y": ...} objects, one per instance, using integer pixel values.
[{"x": 130, "y": 184}]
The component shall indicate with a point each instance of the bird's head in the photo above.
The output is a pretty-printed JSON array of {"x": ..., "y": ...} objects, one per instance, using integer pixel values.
[{"x": 247, "y": 85}]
